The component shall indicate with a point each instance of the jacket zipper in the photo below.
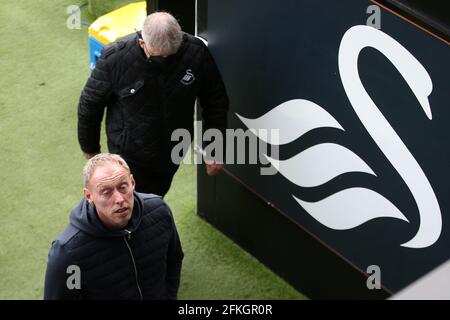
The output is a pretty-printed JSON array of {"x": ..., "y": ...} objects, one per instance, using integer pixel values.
[{"x": 134, "y": 264}]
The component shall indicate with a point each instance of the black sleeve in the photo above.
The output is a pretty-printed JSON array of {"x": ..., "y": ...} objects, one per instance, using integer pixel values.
[
  {"x": 174, "y": 261},
  {"x": 213, "y": 96},
  {"x": 93, "y": 100},
  {"x": 56, "y": 276}
]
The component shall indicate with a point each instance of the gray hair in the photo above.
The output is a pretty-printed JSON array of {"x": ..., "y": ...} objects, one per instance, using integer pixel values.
[
  {"x": 100, "y": 160},
  {"x": 162, "y": 32}
]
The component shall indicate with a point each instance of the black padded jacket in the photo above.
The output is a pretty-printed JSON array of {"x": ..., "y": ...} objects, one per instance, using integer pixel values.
[{"x": 142, "y": 261}]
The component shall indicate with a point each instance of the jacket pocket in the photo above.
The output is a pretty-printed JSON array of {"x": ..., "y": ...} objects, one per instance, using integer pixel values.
[
  {"x": 142, "y": 140},
  {"x": 131, "y": 90}
]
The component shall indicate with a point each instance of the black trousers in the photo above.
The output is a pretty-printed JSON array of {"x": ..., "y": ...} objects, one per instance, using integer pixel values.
[{"x": 149, "y": 181}]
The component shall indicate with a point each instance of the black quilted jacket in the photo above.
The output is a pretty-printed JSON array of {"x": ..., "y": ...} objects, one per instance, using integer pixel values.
[
  {"x": 146, "y": 104},
  {"x": 141, "y": 262}
]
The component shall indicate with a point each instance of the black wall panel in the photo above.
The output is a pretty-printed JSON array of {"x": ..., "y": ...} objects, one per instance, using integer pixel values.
[{"x": 273, "y": 52}]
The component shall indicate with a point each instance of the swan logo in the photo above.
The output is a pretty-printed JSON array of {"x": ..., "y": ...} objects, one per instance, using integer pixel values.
[
  {"x": 188, "y": 78},
  {"x": 350, "y": 208}
]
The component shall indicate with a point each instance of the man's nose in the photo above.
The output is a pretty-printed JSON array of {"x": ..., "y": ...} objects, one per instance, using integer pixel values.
[{"x": 118, "y": 197}]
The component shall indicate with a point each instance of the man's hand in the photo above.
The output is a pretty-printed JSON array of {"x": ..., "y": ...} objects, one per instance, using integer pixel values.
[
  {"x": 89, "y": 155},
  {"x": 213, "y": 168}
]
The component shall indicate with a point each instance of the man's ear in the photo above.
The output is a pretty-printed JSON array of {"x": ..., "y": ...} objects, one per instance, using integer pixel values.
[
  {"x": 88, "y": 195},
  {"x": 141, "y": 43},
  {"x": 133, "y": 183}
]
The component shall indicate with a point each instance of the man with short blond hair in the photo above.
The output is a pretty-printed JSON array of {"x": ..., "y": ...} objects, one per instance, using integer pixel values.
[{"x": 119, "y": 244}]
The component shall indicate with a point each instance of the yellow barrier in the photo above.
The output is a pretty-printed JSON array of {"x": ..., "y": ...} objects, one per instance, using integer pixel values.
[{"x": 118, "y": 23}]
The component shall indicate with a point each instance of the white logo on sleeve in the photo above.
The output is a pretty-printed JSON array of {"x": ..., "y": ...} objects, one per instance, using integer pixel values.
[{"x": 188, "y": 78}]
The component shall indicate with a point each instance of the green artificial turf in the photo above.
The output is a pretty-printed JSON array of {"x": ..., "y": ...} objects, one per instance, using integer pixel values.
[
  {"x": 43, "y": 67},
  {"x": 100, "y": 7}
]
